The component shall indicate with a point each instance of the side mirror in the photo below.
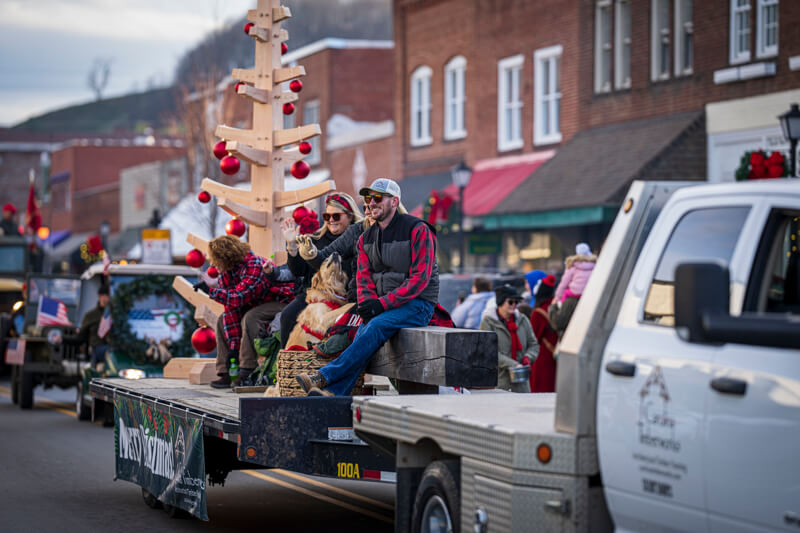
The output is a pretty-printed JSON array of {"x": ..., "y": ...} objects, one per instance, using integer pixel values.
[{"x": 701, "y": 290}]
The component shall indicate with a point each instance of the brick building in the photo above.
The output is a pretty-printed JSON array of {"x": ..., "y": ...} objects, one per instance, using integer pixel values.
[{"x": 605, "y": 91}]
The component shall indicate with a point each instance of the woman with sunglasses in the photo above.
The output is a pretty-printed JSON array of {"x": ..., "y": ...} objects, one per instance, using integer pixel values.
[
  {"x": 340, "y": 213},
  {"x": 516, "y": 343}
]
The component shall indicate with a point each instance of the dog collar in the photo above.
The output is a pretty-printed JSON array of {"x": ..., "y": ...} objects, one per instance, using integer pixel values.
[{"x": 310, "y": 331}]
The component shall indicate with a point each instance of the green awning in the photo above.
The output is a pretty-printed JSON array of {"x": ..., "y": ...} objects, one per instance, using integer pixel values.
[{"x": 551, "y": 219}]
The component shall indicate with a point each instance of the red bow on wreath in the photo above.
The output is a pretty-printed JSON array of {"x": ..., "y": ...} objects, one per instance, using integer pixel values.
[
  {"x": 756, "y": 165},
  {"x": 440, "y": 207}
]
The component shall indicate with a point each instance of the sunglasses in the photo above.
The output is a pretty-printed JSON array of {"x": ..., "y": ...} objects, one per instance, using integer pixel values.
[
  {"x": 332, "y": 216},
  {"x": 513, "y": 301},
  {"x": 378, "y": 197}
]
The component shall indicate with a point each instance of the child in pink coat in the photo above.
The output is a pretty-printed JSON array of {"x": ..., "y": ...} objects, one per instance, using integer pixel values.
[{"x": 578, "y": 269}]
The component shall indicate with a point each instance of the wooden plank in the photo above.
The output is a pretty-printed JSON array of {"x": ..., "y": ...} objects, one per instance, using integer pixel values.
[
  {"x": 250, "y": 137},
  {"x": 179, "y": 367},
  {"x": 287, "y": 198},
  {"x": 203, "y": 372},
  {"x": 251, "y": 216},
  {"x": 196, "y": 298},
  {"x": 254, "y": 156},
  {"x": 205, "y": 316},
  {"x": 280, "y": 75},
  {"x": 281, "y": 13},
  {"x": 284, "y": 97},
  {"x": 262, "y": 96},
  {"x": 295, "y": 135},
  {"x": 240, "y": 196},
  {"x": 198, "y": 243},
  {"x": 259, "y": 33},
  {"x": 246, "y": 75},
  {"x": 287, "y": 156},
  {"x": 431, "y": 355}
]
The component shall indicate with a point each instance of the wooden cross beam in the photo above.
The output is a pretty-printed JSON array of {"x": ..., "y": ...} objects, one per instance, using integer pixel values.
[{"x": 198, "y": 243}]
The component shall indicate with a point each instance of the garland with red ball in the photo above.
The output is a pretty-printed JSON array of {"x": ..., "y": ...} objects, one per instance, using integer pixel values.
[{"x": 757, "y": 165}]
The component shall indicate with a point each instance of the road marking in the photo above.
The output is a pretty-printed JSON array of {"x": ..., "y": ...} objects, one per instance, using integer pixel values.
[
  {"x": 5, "y": 391},
  {"x": 347, "y": 493},
  {"x": 319, "y": 496}
]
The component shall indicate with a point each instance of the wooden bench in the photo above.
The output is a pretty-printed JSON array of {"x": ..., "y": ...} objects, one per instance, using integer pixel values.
[{"x": 422, "y": 359}]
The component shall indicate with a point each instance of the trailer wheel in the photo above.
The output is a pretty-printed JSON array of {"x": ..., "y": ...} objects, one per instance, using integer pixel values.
[
  {"x": 175, "y": 512},
  {"x": 83, "y": 411},
  {"x": 15, "y": 384},
  {"x": 437, "y": 506},
  {"x": 26, "y": 389},
  {"x": 150, "y": 500}
]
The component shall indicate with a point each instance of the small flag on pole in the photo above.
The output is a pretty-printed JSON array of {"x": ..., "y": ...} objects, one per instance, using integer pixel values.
[
  {"x": 52, "y": 312},
  {"x": 105, "y": 323}
]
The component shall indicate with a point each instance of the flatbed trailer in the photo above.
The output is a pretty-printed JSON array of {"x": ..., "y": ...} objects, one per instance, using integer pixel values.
[{"x": 230, "y": 431}]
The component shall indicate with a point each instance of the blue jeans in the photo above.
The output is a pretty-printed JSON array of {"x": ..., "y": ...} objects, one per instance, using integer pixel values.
[{"x": 342, "y": 373}]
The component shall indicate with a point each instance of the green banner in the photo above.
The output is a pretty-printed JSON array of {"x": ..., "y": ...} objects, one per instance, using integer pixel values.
[{"x": 161, "y": 453}]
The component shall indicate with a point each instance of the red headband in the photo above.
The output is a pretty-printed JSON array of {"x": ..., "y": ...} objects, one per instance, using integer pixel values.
[{"x": 341, "y": 200}]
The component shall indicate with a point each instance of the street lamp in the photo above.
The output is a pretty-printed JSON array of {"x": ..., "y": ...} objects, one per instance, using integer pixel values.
[
  {"x": 461, "y": 175},
  {"x": 790, "y": 124}
]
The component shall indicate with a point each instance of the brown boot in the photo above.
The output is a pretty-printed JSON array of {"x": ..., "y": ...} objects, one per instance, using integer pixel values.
[
  {"x": 224, "y": 382},
  {"x": 310, "y": 381}
]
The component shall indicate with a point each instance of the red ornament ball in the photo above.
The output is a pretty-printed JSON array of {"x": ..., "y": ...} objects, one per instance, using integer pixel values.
[
  {"x": 300, "y": 213},
  {"x": 219, "y": 150},
  {"x": 195, "y": 258},
  {"x": 288, "y": 108},
  {"x": 204, "y": 340},
  {"x": 235, "y": 227},
  {"x": 236, "y": 87},
  {"x": 212, "y": 272},
  {"x": 204, "y": 197},
  {"x": 247, "y": 28},
  {"x": 229, "y": 165},
  {"x": 300, "y": 169},
  {"x": 305, "y": 147},
  {"x": 284, "y": 48},
  {"x": 296, "y": 86}
]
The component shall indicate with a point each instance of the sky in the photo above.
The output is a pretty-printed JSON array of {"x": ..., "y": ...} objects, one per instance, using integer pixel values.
[{"x": 47, "y": 47}]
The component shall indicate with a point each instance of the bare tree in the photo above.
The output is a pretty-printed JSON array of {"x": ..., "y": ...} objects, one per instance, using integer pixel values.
[{"x": 97, "y": 80}]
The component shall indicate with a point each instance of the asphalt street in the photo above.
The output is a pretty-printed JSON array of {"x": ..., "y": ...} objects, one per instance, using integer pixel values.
[{"x": 57, "y": 474}]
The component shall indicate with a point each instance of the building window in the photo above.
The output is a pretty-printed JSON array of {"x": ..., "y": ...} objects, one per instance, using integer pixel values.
[
  {"x": 421, "y": 106},
  {"x": 740, "y": 31},
  {"x": 311, "y": 116},
  {"x": 509, "y": 103},
  {"x": 660, "y": 48},
  {"x": 602, "y": 47},
  {"x": 767, "y": 28},
  {"x": 547, "y": 95},
  {"x": 622, "y": 45},
  {"x": 684, "y": 37},
  {"x": 454, "y": 98}
]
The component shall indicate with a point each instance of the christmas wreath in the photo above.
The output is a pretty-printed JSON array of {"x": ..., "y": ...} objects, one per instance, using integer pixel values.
[
  {"x": 123, "y": 338},
  {"x": 756, "y": 165}
]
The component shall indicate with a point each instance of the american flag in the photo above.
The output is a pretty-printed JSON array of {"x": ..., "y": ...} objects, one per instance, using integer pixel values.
[
  {"x": 52, "y": 312},
  {"x": 105, "y": 323},
  {"x": 15, "y": 352}
]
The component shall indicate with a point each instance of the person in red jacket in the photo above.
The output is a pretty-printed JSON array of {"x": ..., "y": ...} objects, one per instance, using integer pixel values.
[{"x": 543, "y": 370}]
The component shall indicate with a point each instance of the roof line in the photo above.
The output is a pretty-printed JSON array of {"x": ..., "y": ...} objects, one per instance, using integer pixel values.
[{"x": 334, "y": 43}]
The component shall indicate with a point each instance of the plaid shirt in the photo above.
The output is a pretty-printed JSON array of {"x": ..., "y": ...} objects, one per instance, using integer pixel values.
[
  {"x": 423, "y": 257},
  {"x": 239, "y": 290}
]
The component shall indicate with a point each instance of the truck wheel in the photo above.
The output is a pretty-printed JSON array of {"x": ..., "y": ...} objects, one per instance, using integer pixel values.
[
  {"x": 175, "y": 512},
  {"x": 150, "y": 500},
  {"x": 437, "y": 506},
  {"x": 26, "y": 389},
  {"x": 83, "y": 411},
  {"x": 15, "y": 384}
]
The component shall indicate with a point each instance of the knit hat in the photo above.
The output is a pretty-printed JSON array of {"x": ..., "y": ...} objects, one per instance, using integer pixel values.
[
  {"x": 583, "y": 249},
  {"x": 533, "y": 278},
  {"x": 503, "y": 292},
  {"x": 545, "y": 288},
  {"x": 103, "y": 290},
  {"x": 10, "y": 207}
]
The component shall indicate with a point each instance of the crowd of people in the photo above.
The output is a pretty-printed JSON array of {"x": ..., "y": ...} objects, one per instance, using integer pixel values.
[{"x": 389, "y": 257}]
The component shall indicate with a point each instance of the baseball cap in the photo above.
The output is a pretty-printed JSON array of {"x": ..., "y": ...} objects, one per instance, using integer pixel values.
[{"x": 382, "y": 185}]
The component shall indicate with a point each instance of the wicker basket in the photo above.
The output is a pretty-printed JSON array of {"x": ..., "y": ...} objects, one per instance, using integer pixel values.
[{"x": 291, "y": 363}]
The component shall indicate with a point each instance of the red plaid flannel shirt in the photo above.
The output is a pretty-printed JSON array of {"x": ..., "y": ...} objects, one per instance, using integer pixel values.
[{"x": 423, "y": 257}]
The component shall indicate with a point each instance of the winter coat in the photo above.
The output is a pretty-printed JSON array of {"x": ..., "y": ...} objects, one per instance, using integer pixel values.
[
  {"x": 576, "y": 275},
  {"x": 543, "y": 371},
  {"x": 302, "y": 271},
  {"x": 530, "y": 347},
  {"x": 468, "y": 313}
]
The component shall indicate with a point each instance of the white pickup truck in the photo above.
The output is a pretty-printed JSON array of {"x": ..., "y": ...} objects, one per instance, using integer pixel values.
[{"x": 678, "y": 403}]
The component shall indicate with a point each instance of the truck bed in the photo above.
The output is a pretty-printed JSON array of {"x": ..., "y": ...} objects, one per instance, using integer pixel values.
[{"x": 501, "y": 428}]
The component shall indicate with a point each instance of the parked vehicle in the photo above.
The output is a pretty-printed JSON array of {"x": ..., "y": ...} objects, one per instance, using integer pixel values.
[
  {"x": 677, "y": 397},
  {"x": 13, "y": 266}
]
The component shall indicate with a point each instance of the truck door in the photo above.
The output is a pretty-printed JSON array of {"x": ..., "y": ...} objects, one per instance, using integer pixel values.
[
  {"x": 652, "y": 387},
  {"x": 753, "y": 457}
]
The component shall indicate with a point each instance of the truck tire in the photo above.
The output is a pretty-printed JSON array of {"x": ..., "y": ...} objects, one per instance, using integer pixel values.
[
  {"x": 83, "y": 411},
  {"x": 150, "y": 500},
  {"x": 26, "y": 389},
  {"x": 175, "y": 512},
  {"x": 437, "y": 506}
]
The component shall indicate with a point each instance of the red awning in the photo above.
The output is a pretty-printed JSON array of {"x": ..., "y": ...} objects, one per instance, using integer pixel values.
[{"x": 493, "y": 180}]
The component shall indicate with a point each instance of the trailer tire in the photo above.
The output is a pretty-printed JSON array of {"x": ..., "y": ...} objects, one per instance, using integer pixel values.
[
  {"x": 26, "y": 389},
  {"x": 150, "y": 500},
  {"x": 438, "y": 501},
  {"x": 83, "y": 411},
  {"x": 175, "y": 512}
]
